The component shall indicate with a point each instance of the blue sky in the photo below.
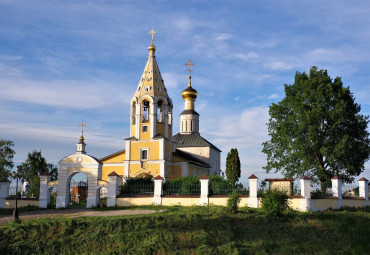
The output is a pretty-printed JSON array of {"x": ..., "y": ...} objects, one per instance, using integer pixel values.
[{"x": 63, "y": 62}]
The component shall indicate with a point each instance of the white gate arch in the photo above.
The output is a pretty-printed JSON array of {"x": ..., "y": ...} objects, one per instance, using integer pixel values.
[{"x": 71, "y": 165}]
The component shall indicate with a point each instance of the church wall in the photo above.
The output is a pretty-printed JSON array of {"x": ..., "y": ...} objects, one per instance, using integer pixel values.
[
  {"x": 173, "y": 171},
  {"x": 145, "y": 135},
  {"x": 214, "y": 161},
  {"x": 153, "y": 169},
  {"x": 161, "y": 129},
  {"x": 153, "y": 147},
  {"x": 133, "y": 130},
  {"x": 197, "y": 171},
  {"x": 108, "y": 169},
  {"x": 168, "y": 150},
  {"x": 201, "y": 153}
]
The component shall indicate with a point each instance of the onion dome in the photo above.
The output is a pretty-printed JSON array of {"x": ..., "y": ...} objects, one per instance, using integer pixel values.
[{"x": 189, "y": 92}]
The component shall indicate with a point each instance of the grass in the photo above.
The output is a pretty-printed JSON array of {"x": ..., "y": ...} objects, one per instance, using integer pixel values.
[{"x": 193, "y": 230}]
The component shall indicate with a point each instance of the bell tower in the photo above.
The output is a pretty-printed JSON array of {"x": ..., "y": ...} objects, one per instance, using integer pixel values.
[{"x": 151, "y": 107}]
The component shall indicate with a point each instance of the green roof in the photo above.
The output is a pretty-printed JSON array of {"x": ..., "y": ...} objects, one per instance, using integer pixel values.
[{"x": 192, "y": 140}]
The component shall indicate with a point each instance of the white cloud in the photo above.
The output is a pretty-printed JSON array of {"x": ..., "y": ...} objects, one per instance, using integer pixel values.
[
  {"x": 246, "y": 57},
  {"x": 278, "y": 65},
  {"x": 273, "y": 96},
  {"x": 9, "y": 71},
  {"x": 68, "y": 94},
  {"x": 237, "y": 98},
  {"x": 223, "y": 37}
]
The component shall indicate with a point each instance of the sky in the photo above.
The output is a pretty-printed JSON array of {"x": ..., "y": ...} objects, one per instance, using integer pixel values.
[{"x": 63, "y": 62}]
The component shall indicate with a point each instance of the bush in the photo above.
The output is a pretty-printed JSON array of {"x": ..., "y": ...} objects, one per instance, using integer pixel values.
[
  {"x": 233, "y": 202},
  {"x": 137, "y": 185},
  {"x": 274, "y": 202},
  {"x": 187, "y": 185}
]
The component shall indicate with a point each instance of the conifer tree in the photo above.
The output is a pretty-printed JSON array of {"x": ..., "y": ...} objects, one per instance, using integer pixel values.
[{"x": 233, "y": 166}]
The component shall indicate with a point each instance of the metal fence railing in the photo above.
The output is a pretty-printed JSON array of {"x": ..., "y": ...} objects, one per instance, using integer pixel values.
[
  {"x": 137, "y": 189},
  {"x": 225, "y": 188},
  {"x": 170, "y": 188}
]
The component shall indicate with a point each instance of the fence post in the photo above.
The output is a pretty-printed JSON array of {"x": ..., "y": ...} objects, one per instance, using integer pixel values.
[
  {"x": 204, "y": 190},
  {"x": 305, "y": 193},
  {"x": 158, "y": 183},
  {"x": 336, "y": 185},
  {"x": 253, "y": 187},
  {"x": 113, "y": 181},
  {"x": 363, "y": 186},
  {"x": 44, "y": 198},
  {"x": 4, "y": 191}
]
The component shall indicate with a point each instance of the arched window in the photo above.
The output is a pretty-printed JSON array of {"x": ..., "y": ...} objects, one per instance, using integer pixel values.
[
  {"x": 143, "y": 154},
  {"x": 160, "y": 111},
  {"x": 133, "y": 113},
  {"x": 145, "y": 111}
]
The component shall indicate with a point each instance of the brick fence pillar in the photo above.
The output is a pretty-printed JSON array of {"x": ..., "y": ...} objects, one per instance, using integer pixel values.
[
  {"x": 44, "y": 198},
  {"x": 363, "y": 185},
  {"x": 305, "y": 193},
  {"x": 336, "y": 185},
  {"x": 253, "y": 188},
  {"x": 113, "y": 183},
  {"x": 158, "y": 184},
  {"x": 4, "y": 191},
  {"x": 204, "y": 190}
]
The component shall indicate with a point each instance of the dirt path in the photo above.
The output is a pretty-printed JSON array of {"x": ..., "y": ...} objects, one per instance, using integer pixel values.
[{"x": 73, "y": 213}]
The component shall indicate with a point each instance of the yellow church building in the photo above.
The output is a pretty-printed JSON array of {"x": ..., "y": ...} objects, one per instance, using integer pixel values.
[{"x": 152, "y": 149}]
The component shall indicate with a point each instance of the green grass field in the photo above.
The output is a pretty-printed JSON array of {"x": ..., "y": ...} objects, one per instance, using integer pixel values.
[{"x": 193, "y": 230}]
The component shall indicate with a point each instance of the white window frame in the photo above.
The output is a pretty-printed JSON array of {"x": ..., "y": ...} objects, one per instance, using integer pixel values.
[{"x": 141, "y": 153}]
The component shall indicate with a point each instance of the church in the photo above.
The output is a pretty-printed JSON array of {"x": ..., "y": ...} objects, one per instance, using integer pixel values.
[{"x": 151, "y": 148}]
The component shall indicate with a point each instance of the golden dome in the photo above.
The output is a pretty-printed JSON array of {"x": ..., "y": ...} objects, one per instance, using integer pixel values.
[{"x": 189, "y": 92}]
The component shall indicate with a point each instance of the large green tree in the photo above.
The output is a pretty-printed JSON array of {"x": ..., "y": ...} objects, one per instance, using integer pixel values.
[
  {"x": 32, "y": 167},
  {"x": 233, "y": 166},
  {"x": 6, "y": 158},
  {"x": 317, "y": 130}
]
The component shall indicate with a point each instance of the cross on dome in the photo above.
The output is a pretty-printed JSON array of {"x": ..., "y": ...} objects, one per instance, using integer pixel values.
[
  {"x": 152, "y": 33},
  {"x": 189, "y": 64}
]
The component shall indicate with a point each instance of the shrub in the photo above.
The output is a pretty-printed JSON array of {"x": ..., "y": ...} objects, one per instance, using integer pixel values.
[
  {"x": 186, "y": 185},
  {"x": 233, "y": 202},
  {"x": 274, "y": 202},
  {"x": 137, "y": 185}
]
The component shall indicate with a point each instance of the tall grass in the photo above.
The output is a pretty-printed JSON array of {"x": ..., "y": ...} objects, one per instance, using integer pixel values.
[{"x": 193, "y": 230}]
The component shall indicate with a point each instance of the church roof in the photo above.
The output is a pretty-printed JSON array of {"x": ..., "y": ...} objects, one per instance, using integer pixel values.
[
  {"x": 191, "y": 159},
  {"x": 151, "y": 82},
  {"x": 189, "y": 112},
  {"x": 112, "y": 155},
  {"x": 192, "y": 140}
]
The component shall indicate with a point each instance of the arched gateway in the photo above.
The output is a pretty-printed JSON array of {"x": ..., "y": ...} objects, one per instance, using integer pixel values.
[{"x": 78, "y": 162}]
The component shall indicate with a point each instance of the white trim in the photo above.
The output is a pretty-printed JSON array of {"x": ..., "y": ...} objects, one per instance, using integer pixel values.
[
  {"x": 147, "y": 153},
  {"x": 114, "y": 164},
  {"x": 80, "y": 165}
]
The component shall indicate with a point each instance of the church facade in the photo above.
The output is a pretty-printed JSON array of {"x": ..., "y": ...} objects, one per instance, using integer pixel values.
[{"x": 151, "y": 148}]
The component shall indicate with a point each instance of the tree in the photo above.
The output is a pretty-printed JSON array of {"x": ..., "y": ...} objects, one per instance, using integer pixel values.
[
  {"x": 32, "y": 167},
  {"x": 6, "y": 158},
  {"x": 233, "y": 166},
  {"x": 317, "y": 130}
]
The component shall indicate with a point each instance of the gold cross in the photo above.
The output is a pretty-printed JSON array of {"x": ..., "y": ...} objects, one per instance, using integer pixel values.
[
  {"x": 189, "y": 64},
  {"x": 82, "y": 125},
  {"x": 152, "y": 33}
]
